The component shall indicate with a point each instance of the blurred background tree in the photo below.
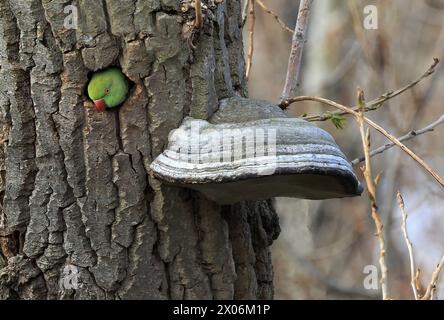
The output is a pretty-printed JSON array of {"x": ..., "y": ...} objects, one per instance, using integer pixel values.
[{"x": 324, "y": 246}]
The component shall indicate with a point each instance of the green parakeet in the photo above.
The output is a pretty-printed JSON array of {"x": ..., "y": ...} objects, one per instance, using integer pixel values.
[{"x": 108, "y": 88}]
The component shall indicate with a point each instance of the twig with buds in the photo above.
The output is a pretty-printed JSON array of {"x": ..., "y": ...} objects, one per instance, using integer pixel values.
[
  {"x": 371, "y": 188},
  {"x": 274, "y": 15},
  {"x": 431, "y": 288},
  {"x": 413, "y": 272},
  {"x": 376, "y": 103},
  {"x": 409, "y": 136},
  {"x": 376, "y": 126}
]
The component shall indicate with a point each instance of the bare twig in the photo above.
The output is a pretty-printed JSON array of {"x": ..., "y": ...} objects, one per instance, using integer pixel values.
[
  {"x": 371, "y": 188},
  {"x": 199, "y": 21},
  {"x": 376, "y": 103},
  {"x": 380, "y": 129},
  {"x": 413, "y": 271},
  {"x": 409, "y": 136},
  {"x": 418, "y": 284},
  {"x": 431, "y": 288},
  {"x": 251, "y": 24},
  {"x": 297, "y": 47},
  {"x": 274, "y": 15}
]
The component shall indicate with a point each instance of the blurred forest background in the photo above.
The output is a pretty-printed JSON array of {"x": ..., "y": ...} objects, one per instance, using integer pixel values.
[{"x": 325, "y": 245}]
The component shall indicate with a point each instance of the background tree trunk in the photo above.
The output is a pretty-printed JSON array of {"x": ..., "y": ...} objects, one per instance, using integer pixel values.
[{"x": 77, "y": 198}]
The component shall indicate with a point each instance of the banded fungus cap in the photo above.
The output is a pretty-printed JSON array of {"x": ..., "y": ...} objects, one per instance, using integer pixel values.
[{"x": 251, "y": 150}]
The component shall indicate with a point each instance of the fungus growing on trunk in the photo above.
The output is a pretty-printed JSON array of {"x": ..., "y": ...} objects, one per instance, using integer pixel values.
[{"x": 251, "y": 150}]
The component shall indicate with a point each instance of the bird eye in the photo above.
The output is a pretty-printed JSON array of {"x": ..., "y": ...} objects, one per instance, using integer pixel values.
[{"x": 106, "y": 91}]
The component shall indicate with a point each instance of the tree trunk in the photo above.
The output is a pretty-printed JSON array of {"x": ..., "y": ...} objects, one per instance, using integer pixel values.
[{"x": 81, "y": 216}]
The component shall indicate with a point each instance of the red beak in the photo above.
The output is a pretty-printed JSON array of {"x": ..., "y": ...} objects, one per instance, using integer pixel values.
[{"x": 100, "y": 105}]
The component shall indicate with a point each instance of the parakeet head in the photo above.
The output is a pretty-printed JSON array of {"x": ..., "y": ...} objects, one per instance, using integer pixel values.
[{"x": 108, "y": 88}]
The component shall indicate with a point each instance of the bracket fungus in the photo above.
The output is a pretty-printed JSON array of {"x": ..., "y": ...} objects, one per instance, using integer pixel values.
[{"x": 251, "y": 150}]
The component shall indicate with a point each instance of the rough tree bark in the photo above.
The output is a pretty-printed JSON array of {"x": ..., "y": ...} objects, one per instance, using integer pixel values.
[{"x": 75, "y": 186}]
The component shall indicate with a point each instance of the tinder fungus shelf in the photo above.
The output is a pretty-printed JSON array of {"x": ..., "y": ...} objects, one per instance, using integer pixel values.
[{"x": 250, "y": 150}]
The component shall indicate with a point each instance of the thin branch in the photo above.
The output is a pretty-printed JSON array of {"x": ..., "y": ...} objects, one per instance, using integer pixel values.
[
  {"x": 435, "y": 277},
  {"x": 274, "y": 15},
  {"x": 376, "y": 103},
  {"x": 413, "y": 273},
  {"x": 297, "y": 47},
  {"x": 371, "y": 188},
  {"x": 418, "y": 284},
  {"x": 251, "y": 24},
  {"x": 199, "y": 21},
  {"x": 409, "y": 136},
  {"x": 380, "y": 129}
]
